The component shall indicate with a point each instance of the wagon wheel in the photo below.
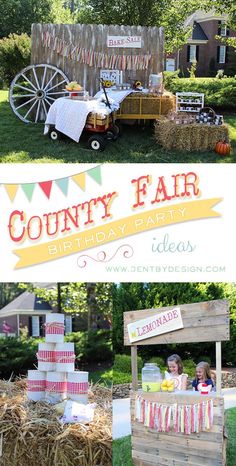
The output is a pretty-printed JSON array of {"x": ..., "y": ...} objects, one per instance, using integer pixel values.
[{"x": 33, "y": 91}]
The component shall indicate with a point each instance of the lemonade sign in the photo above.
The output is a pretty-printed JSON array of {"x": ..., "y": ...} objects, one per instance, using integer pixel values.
[{"x": 158, "y": 324}]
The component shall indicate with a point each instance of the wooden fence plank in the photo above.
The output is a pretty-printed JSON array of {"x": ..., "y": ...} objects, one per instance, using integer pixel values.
[{"x": 93, "y": 39}]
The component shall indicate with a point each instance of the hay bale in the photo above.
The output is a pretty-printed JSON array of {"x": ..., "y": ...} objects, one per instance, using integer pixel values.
[
  {"x": 192, "y": 137},
  {"x": 31, "y": 434}
]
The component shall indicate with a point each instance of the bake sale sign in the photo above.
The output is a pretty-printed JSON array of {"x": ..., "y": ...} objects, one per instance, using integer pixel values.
[{"x": 105, "y": 222}]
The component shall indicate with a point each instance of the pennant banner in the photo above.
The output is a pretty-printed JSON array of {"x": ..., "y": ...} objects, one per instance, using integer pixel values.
[
  {"x": 46, "y": 186},
  {"x": 184, "y": 419},
  {"x": 119, "y": 229},
  {"x": 96, "y": 59}
]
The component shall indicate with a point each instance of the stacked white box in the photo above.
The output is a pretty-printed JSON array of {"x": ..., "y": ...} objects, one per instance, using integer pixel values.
[
  {"x": 46, "y": 357},
  {"x": 36, "y": 385},
  {"x": 54, "y": 328},
  {"x": 65, "y": 357},
  {"x": 77, "y": 386},
  {"x": 55, "y": 387},
  {"x": 56, "y": 378}
]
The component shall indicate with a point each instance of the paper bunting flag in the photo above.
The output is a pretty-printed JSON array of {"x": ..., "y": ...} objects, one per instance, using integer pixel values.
[
  {"x": 95, "y": 174},
  {"x": 46, "y": 187},
  {"x": 63, "y": 184},
  {"x": 28, "y": 189},
  {"x": 11, "y": 190},
  {"x": 80, "y": 180}
]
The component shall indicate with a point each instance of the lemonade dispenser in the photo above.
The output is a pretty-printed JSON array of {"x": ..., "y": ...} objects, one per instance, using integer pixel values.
[{"x": 151, "y": 378}]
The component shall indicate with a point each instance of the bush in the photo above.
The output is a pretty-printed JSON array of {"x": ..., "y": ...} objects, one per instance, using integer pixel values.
[
  {"x": 17, "y": 356},
  {"x": 93, "y": 346},
  {"x": 121, "y": 377},
  {"x": 14, "y": 55},
  {"x": 169, "y": 77},
  {"x": 159, "y": 361},
  {"x": 219, "y": 93},
  {"x": 189, "y": 367},
  {"x": 122, "y": 363}
]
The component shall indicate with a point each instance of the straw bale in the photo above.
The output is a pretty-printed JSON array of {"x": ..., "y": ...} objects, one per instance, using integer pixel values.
[
  {"x": 31, "y": 434},
  {"x": 189, "y": 137}
]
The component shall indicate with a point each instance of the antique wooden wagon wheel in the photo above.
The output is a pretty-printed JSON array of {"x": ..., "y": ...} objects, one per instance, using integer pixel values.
[{"x": 33, "y": 91}]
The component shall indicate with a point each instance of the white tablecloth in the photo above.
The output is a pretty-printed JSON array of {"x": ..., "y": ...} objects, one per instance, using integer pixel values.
[
  {"x": 69, "y": 115},
  {"x": 115, "y": 96}
]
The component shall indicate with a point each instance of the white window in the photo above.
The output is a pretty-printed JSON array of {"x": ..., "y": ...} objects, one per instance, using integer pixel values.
[
  {"x": 222, "y": 54},
  {"x": 223, "y": 29},
  {"x": 68, "y": 324},
  {"x": 35, "y": 326},
  {"x": 192, "y": 53}
]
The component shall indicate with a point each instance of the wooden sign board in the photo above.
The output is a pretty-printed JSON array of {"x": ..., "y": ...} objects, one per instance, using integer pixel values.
[
  {"x": 158, "y": 324},
  {"x": 134, "y": 42},
  {"x": 205, "y": 321}
]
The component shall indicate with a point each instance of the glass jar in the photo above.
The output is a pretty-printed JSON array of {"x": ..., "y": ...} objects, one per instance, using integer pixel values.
[{"x": 151, "y": 378}]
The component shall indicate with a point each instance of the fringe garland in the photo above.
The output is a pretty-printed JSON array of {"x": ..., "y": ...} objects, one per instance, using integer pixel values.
[
  {"x": 185, "y": 419},
  {"x": 95, "y": 59}
]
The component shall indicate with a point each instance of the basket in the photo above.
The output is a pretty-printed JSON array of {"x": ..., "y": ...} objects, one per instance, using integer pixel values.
[{"x": 208, "y": 111}]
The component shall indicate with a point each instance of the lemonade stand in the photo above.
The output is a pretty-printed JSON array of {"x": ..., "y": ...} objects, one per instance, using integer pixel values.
[{"x": 176, "y": 428}]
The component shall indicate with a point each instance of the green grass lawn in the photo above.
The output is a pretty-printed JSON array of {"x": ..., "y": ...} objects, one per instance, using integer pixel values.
[
  {"x": 122, "y": 447},
  {"x": 22, "y": 142}
]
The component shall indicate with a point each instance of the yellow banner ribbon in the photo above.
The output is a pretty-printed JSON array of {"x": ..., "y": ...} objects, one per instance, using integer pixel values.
[{"x": 119, "y": 229}]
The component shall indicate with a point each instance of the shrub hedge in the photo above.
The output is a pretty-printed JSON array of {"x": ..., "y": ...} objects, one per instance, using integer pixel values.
[
  {"x": 122, "y": 363},
  {"x": 14, "y": 55},
  {"x": 219, "y": 93}
]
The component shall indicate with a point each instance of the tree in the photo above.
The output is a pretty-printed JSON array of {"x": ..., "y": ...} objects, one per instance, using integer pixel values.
[
  {"x": 227, "y": 7},
  {"x": 90, "y": 300},
  {"x": 62, "y": 14},
  {"x": 168, "y": 13},
  {"x": 8, "y": 292},
  {"x": 18, "y": 15}
]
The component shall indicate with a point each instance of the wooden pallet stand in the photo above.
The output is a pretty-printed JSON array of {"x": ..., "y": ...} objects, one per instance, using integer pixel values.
[{"x": 206, "y": 321}]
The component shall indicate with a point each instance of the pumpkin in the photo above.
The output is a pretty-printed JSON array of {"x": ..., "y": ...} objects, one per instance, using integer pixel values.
[{"x": 222, "y": 148}]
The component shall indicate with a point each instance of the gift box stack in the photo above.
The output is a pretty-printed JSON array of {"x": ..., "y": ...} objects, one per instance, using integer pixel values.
[{"x": 56, "y": 378}]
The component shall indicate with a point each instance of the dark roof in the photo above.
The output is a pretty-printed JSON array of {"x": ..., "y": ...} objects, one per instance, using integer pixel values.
[
  {"x": 198, "y": 33},
  {"x": 27, "y": 301}
]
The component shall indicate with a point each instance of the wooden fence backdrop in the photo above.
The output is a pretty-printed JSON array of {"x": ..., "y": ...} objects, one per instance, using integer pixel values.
[{"x": 81, "y": 51}]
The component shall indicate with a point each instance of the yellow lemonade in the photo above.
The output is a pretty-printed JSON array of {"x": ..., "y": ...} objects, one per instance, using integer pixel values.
[{"x": 151, "y": 387}]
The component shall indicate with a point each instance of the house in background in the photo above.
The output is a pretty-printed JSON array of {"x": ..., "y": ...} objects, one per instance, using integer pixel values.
[
  {"x": 27, "y": 311},
  {"x": 211, "y": 54}
]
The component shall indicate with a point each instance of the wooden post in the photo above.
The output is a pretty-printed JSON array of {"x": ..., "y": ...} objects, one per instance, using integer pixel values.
[
  {"x": 134, "y": 367},
  {"x": 218, "y": 367}
]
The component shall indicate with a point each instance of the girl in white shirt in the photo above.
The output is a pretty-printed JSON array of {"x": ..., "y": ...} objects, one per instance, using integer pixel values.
[{"x": 175, "y": 372}]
